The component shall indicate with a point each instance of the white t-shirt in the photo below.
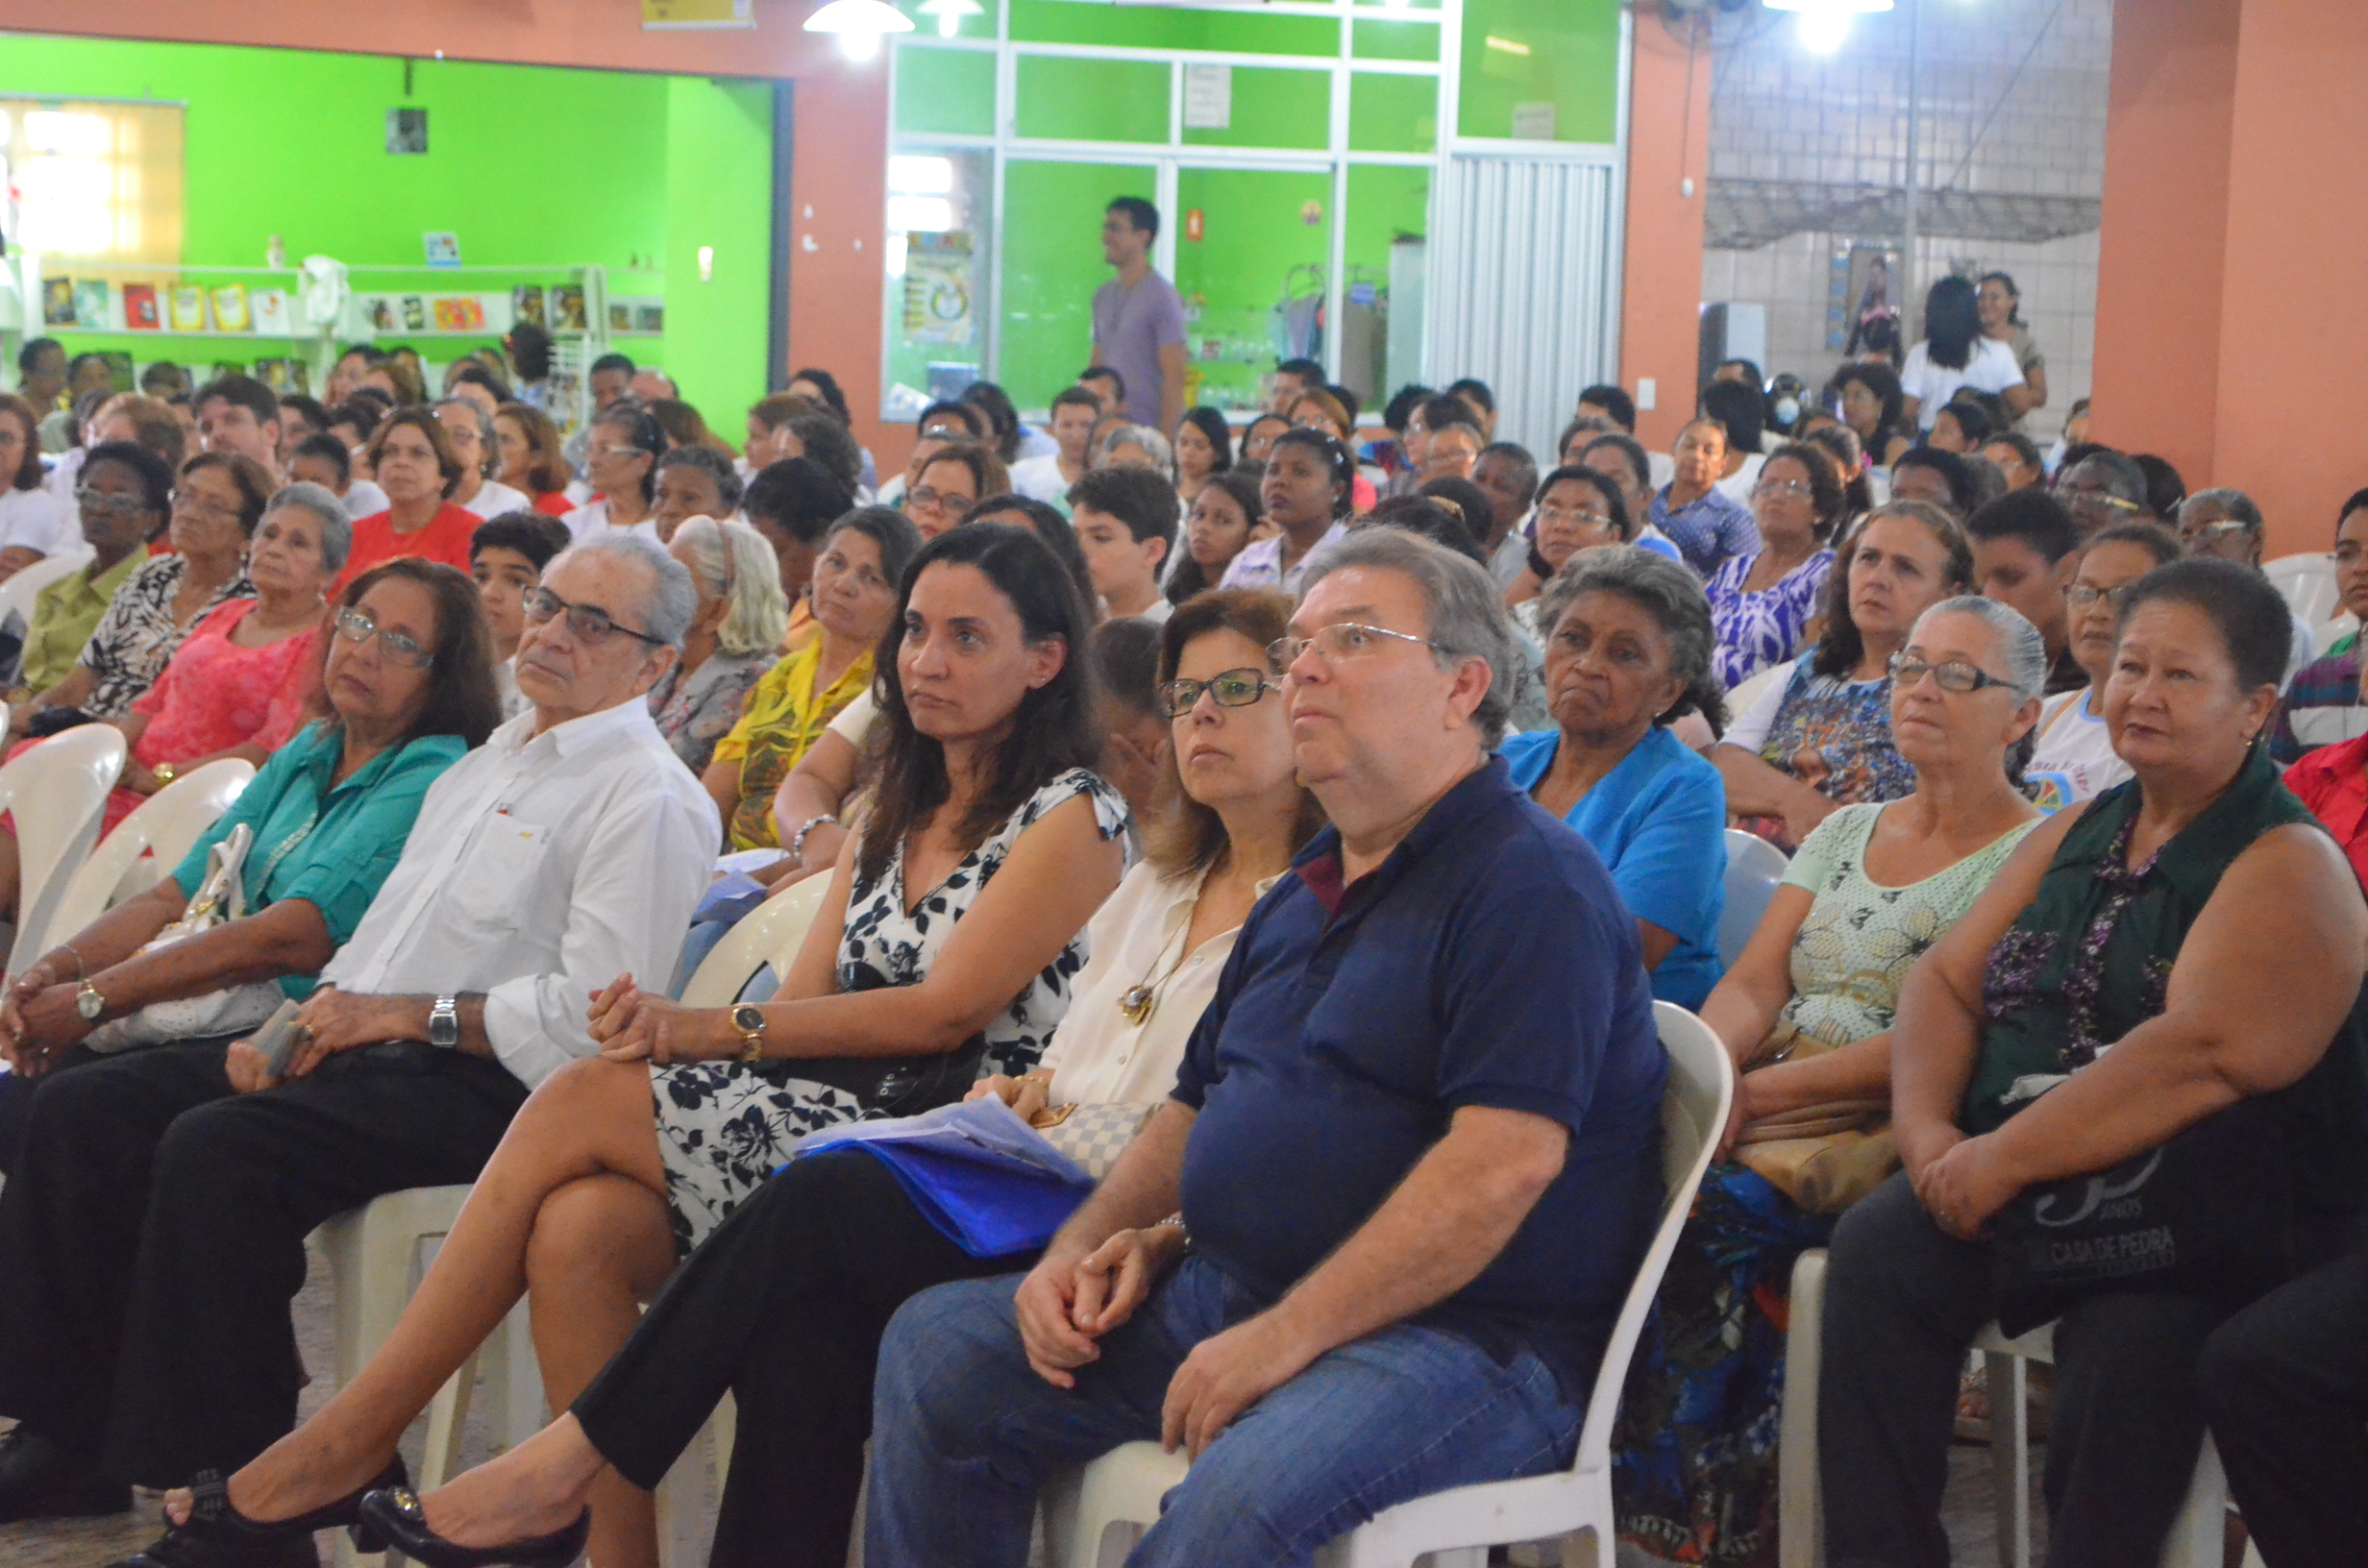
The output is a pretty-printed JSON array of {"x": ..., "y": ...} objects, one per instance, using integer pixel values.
[
  {"x": 1039, "y": 478},
  {"x": 1749, "y": 728},
  {"x": 2073, "y": 758},
  {"x": 590, "y": 521},
  {"x": 1990, "y": 368},
  {"x": 1737, "y": 486},
  {"x": 38, "y": 520},
  {"x": 493, "y": 498},
  {"x": 853, "y": 722},
  {"x": 364, "y": 499}
]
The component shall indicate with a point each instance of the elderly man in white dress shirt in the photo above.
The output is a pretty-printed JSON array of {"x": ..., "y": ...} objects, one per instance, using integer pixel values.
[{"x": 165, "y": 1208}]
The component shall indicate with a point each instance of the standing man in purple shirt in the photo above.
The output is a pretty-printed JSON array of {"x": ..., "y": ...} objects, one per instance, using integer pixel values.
[{"x": 1139, "y": 318}]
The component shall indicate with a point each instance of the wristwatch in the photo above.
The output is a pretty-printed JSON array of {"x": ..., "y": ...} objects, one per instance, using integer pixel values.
[
  {"x": 89, "y": 1003},
  {"x": 444, "y": 1022},
  {"x": 750, "y": 1020}
]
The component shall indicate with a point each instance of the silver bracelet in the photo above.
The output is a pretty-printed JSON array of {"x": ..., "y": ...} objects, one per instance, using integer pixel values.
[{"x": 796, "y": 845}]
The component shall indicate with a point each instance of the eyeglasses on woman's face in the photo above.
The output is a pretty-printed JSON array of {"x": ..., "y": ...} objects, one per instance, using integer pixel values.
[
  {"x": 588, "y": 624},
  {"x": 1950, "y": 675},
  {"x": 2085, "y": 595},
  {"x": 356, "y": 627},
  {"x": 1338, "y": 641},
  {"x": 1782, "y": 490},
  {"x": 1227, "y": 689}
]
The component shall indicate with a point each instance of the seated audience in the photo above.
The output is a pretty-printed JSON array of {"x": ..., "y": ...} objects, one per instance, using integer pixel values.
[
  {"x": 940, "y": 425},
  {"x": 329, "y": 813},
  {"x": 793, "y": 503},
  {"x": 468, "y": 424},
  {"x": 2165, "y": 490},
  {"x": 216, "y": 506},
  {"x": 1624, "y": 461},
  {"x": 2324, "y": 704},
  {"x": 2104, "y": 488},
  {"x": 1135, "y": 446},
  {"x": 529, "y": 458},
  {"x": 768, "y": 419},
  {"x": 684, "y": 424},
  {"x": 1609, "y": 402},
  {"x": 144, "y": 422},
  {"x": 1049, "y": 525},
  {"x": 1938, "y": 478},
  {"x": 506, "y": 558},
  {"x": 692, "y": 481},
  {"x": 1507, "y": 475},
  {"x": 819, "y": 436},
  {"x": 1840, "y": 442},
  {"x": 1740, "y": 408},
  {"x": 1819, "y": 735},
  {"x": 1764, "y": 602},
  {"x": 1578, "y": 509},
  {"x": 854, "y": 590},
  {"x": 1047, "y": 479},
  {"x": 124, "y": 494},
  {"x": 1807, "y": 1015},
  {"x": 2072, "y": 756},
  {"x": 1450, "y": 453},
  {"x": 325, "y": 460},
  {"x": 2017, "y": 456},
  {"x": 2225, "y": 524},
  {"x": 1124, "y": 520},
  {"x": 1707, "y": 526},
  {"x": 1431, "y": 415},
  {"x": 1961, "y": 427},
  {"x": 888, "y": 1009},
  {"x": 34, "y": 521},
  {"x": 949, "y": 482},
  {"x": 1306, "y": 495},
  {"x": 621, "y": 462},
  {"x": 1628, "y": 646},
  {"x": 1869, "y": 397},
  {"x": 2026, "y": 549},
  {"x": 1258, "y": 437},
  {"x": 1477, "y": 1044},
  {"x": 1224, "y": 515},
  {"x": 2102, "y": 999},
  {"x": 238, "y": 414},
  {"x": 1134, "y": 731},
  {"x": 411, "y": 457},
  {"x": 1203, "y": 447},
  {"x": 1005, "y": 433},
  {"x": 733, "y": 638}
]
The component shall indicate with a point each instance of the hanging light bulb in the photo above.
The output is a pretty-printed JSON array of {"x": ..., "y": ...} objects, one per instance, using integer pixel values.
[
  {"x": 860, "y": 24},
  {"x": 1825, "y": 24},
  {"x": 950, "y": 14}
]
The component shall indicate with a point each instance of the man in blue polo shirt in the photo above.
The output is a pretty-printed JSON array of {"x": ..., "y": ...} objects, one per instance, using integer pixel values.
[{"x": 1414, "y": 1147}]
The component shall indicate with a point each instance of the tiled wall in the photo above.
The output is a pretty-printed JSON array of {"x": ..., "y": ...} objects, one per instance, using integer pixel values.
[{"x": 2014, "y": 100}]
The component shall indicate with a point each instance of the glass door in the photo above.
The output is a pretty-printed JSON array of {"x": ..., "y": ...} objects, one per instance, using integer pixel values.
[{"x": 1253, "y": 249}]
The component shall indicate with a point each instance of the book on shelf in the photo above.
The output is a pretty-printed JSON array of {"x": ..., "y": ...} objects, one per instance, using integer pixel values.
[
  {"x": 567, "y": 309},
  {"x": 90, "y": 302},
  {"x": 188, "y": 308},
  {"x": 269, "y": 307},
  {"x": 525, "y": 302},
  {"x": 650, "y": 318},
  {"x": 414, "y": 313},
  {"x": 619, "y": 318},
  {"x": 139, "y": 308},
  {"x": 230, "y": 309},
  {"x": 58, "y": 301}
]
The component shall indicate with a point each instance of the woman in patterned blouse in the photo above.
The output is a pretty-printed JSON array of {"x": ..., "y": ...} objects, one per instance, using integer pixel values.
[{"x": 1762, "y": 603}]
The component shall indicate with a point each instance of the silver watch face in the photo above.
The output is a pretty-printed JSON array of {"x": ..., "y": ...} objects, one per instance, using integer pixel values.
[{"x": 90, "y": 1004}]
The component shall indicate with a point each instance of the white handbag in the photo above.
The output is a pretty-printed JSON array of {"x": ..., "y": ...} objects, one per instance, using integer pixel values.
[{"x": 222, "y": 897}]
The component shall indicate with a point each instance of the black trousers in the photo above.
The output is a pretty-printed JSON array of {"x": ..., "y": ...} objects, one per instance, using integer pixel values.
[
  {"x": 1903, "y": 1302},
  {"x": 153, "y": 1234},
  {"x": 784, "y": 1306},
  {"x": 2285, "y": 1385}
]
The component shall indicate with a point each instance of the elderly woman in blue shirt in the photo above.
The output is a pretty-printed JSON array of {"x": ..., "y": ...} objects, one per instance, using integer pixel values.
[
  {"x": 1628, "y": 650},
  {"x": 407, "y": 687}
]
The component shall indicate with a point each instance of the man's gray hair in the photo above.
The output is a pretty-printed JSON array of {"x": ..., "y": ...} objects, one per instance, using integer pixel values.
[
  {"x": 1465, "y": 608},
  {"x": 2238, "y": 506},
  {"x": 2019, "y": 643},
  {"x": 1154, "y": 444},
  {"x": 666, "y": 610},
  {"x": 337, "y": 528}
]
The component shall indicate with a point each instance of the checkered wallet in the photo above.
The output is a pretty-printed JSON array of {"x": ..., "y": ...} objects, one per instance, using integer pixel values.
[{"x": 1093, "y": 1137}]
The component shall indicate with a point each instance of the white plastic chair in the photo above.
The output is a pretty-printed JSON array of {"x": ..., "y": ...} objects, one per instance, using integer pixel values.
[
  {"x": 57, "y": 790},
  {"x": 1742, "y": 698},
  {"x": 2196, "y": 1537},
  {"x": 147, "y": 846},
  {"x": 771, "y": 933},
  {"x": 1755, "y": 870},
  {"x": 1456, "y": 1528},
  {"x": 2331, "y": 632},
  {"x": 2309, "y": 583},
  {"x": 16, "y": 595}
]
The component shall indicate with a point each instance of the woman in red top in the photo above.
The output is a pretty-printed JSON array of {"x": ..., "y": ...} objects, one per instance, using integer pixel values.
[
  {"x": 412, "y": 460},
  {"x": 531, "y": 460},
  {"x": 2332, "y": 781}
]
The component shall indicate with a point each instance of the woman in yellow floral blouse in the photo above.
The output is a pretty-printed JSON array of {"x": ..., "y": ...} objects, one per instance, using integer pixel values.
[{"x": 854, "y": 594}]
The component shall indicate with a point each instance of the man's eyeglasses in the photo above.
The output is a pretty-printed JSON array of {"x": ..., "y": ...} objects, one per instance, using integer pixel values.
[
  {"x": 1229, "y": 689},
  {"x": 2097, "y": 501},
  {"x": 589, "y": 622},
  {"x": 358, "y": 628},
  {"x": 1342, "y": 640},
  {"x": 2195, "y": 532},
  {"x": 2083, "y": 596},
  {"x": 1953, "y": 676}
]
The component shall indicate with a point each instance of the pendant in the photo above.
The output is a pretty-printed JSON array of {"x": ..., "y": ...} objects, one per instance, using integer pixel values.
[{"x": 1136, "y": 1002}]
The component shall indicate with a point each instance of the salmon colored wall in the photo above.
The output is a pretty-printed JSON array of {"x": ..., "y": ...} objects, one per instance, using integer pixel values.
[
  {"x": 841, "y": 108},
  {"x": 1661, "y": 287},
  {"x": 2235, "y": 217}
]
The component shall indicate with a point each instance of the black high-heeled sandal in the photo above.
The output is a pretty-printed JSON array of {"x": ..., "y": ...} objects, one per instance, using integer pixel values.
[
  {"x": 394, "y": 1518},
  {"x": 217, "y": 1535}
]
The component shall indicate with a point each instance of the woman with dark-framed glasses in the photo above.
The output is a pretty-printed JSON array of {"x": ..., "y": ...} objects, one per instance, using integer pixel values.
[
  {"x": 2072, "y": 755},
  {"x": 1579, "y": 508},
  {"x": 1764, "y": 602}
]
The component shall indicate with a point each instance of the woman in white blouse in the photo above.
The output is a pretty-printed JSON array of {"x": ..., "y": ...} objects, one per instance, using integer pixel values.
[
  {"x": 1955, "y": 353},
  {"x": 785, "y": 1303}
]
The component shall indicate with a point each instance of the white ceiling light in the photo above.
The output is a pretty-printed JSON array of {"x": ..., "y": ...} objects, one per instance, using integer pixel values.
[
  {"x": 1825, "y": 24},
  {"x": 1848, "y": 7},
  {"x": 950, "y": 14},
  {"x": 860, "y": 24}
]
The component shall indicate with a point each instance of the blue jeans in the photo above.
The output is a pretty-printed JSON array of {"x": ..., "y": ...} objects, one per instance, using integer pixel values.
[{"x": 963, "y": 1433}]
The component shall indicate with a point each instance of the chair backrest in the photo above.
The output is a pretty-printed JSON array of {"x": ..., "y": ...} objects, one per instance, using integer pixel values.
[
  {"x": 57, "y": 792},
  {"x": 1745, "y": 695},
  {"x": 17, "y": 593},
  {"x": 1755, "y": 870},
  {"x": 147, "y": 846},
  {"x": 1694, "y": 1112},
  {"x": 768, "y": 934},
  {"x": 2309, "y": 583},
  {"x": 2331, "y": 632}
]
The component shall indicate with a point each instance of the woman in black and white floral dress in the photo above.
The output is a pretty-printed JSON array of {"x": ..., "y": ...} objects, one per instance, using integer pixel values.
[{"x": 944, "y": 951}]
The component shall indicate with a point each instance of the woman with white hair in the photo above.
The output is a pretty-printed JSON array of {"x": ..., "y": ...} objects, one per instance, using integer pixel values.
[
  {"x": 1135, "y": 446},
  {"x": 733, "y": 637}
]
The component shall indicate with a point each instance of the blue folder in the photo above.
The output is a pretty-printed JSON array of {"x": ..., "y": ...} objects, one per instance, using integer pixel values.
[{"x": 986, "y": 1180}]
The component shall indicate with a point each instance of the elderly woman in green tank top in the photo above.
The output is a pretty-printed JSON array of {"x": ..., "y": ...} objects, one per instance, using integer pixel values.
[{"x": 2187, "y": 946}]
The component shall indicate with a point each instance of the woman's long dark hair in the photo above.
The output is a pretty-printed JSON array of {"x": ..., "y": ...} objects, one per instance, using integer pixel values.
[
  {"x": 1213, "y": 428},
  {"x": 462, "y": 698},
  {"x": 1952, "y": 322},
  {"x": 1188, "y": 578},
  {"x": 1054, "y": 728}
]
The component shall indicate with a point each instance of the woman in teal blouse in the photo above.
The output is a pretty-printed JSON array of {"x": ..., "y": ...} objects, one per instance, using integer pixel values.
[
  {"x": 1628, "y": 648},
  {"x": 407, "y": 686}
]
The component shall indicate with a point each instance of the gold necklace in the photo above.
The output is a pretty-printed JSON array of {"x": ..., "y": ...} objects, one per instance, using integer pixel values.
[{"x": 1138, "y": 1001}]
